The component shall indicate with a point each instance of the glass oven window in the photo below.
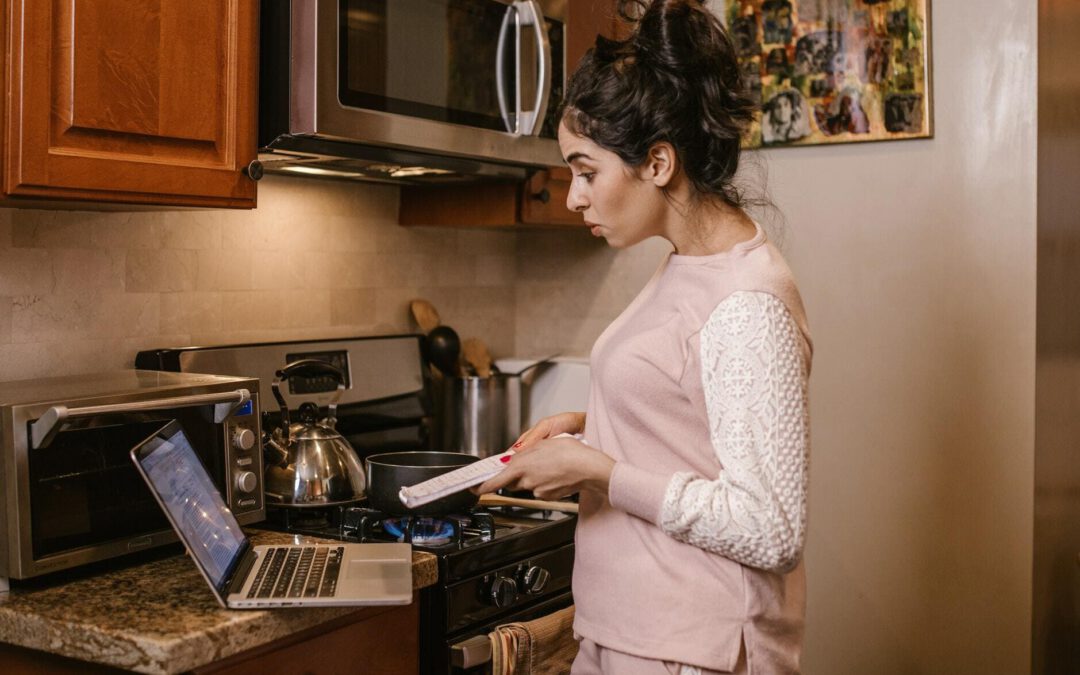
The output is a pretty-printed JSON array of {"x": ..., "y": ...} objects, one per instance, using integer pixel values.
[
  {"x": 434, "y": 59},
  {"x": 85, "y": 490}
]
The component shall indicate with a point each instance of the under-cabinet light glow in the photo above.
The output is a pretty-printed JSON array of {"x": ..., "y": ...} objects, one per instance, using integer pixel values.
[{"x": 315, "y": 171}]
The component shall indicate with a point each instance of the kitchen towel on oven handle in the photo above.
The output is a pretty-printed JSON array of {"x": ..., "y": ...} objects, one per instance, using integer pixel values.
[{"x": 544, "y": 646}]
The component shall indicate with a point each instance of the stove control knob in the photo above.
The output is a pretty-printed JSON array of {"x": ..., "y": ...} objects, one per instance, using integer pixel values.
[
  {"x": 503, "y": 592},
  {"x": 243, "y": 439},
  {"x": 247, "y": 481},
  {"x": 533, "y": 579}
]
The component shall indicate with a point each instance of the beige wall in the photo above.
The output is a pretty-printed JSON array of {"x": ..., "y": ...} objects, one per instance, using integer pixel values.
[
  {"x": 920, "y": 285},
  {"x": 917, "y": 264},
  {"x": 85, "y": 291}
]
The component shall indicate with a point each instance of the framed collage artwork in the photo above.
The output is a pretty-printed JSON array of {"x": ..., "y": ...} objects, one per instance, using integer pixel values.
[{"x": 834, "y": 71}]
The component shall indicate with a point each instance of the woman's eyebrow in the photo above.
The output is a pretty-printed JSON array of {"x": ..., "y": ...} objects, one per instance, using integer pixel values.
[{"x": 574, "y": 156}]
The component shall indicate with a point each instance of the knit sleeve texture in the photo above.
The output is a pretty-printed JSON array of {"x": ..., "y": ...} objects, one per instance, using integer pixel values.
[{"x": 754, "y": 375}]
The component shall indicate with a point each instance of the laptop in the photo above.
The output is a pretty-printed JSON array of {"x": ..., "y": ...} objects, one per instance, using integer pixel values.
[{"x": 243, "y": 576}]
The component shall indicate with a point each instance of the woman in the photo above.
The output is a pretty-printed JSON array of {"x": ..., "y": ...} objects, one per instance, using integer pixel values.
[{"x": 692, "y": 470}]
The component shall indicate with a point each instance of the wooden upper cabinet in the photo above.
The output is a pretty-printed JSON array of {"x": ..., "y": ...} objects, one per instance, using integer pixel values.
[
  {"x": 585, "y": 21},
  {"x": 132, "y": 101}
]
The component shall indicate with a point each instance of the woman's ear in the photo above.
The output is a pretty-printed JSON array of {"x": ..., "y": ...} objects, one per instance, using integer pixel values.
[{"x": 661, "y": 164}]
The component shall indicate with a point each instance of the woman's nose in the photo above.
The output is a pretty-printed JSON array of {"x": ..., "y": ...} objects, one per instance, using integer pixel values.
[{"x": 575, "y": 201}]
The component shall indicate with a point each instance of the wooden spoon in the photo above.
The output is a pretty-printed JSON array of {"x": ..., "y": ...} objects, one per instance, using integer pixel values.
[
  {"x": 499, "y": 500},
  {"x": 476, "y": 354},
  {"x": 425, "y": 315}
]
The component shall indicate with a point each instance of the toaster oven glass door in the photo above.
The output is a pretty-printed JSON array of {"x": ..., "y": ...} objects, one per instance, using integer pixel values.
[
  {"x": 439, "y": 60},
  {"x": 85, "y": 490}
]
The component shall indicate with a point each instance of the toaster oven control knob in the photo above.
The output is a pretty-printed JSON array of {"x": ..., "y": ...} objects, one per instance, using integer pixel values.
[
  {"x": 247, "y": 481},
  {"x": 503, "y": 592},
  {"x": 243, "y": 439},
  {"x": 533, "y": 579}
]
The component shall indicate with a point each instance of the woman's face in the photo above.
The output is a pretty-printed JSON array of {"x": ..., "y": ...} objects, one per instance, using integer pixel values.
[{"x": 618, "y": 204}]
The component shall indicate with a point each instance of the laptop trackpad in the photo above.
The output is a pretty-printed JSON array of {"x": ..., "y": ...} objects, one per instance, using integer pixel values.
[{"x": 378, "y": 578}]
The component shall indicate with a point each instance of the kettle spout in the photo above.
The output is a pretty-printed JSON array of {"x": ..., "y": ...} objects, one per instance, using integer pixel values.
[{"x": 274, "y": 454}]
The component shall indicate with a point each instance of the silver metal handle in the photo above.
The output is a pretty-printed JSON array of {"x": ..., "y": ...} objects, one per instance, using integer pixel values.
[
  {"x": 471, "y": 653},
  {"x": 530, "y": 123},
  {"x": 45, "y": 427},
  {"x": 500, "y": 89}
]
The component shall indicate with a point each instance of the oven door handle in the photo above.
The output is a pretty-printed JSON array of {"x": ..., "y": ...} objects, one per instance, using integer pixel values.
[
  {"x": 470, "y": 653},
  {"x": 44, "y": 429}
]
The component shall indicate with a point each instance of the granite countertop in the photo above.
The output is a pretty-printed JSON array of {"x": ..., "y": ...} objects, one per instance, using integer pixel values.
[{"x": 157, "y": 617}]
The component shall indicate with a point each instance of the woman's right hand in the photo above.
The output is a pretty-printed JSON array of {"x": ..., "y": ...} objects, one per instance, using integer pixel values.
[{"x": 563, "y": 423}]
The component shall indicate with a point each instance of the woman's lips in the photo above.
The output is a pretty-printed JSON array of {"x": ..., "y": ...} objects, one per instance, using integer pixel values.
[{"x": 594, "y": 229}]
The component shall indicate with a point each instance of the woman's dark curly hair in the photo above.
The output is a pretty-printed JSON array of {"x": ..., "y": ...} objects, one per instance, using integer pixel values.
[{"x": 675, "y": 79}]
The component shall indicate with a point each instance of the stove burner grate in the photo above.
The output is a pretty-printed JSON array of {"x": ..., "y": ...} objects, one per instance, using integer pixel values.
[
  {"x": 433, "y": 531},
  {"x": 423, "y": 530}
]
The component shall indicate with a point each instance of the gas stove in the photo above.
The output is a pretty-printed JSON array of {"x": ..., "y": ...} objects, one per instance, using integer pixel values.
[
  {"x": 496, "y": 565},
  {"x": 465, "y": 543}
]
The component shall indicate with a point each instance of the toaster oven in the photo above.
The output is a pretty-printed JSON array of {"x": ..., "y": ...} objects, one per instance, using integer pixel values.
[{"x": 71, "y": 494}]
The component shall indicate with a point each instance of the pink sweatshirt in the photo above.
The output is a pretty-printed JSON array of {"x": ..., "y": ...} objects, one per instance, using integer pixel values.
[{"x": 699, "y": 394}]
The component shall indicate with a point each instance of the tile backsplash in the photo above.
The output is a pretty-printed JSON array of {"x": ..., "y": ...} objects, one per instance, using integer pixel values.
[{"x": 84, "y": 291}]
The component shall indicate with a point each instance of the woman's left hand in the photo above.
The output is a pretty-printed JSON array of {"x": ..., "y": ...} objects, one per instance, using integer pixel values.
[{"x": 554, "y": 468}]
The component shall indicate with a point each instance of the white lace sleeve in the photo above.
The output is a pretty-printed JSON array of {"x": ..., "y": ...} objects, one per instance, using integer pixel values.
[{"x": 754, "y": 374}]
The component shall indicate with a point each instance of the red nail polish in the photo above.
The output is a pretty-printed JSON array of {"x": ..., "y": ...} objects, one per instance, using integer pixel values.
[
  {"x": 505, "y": 458},
  {"x": 517, "y": 445}
]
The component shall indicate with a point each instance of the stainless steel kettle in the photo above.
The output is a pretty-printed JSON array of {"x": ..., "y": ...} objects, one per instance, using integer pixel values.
[{"x": 309, "y": 463}]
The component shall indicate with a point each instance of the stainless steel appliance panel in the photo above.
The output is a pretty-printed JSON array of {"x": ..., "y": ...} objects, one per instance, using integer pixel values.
[
  {"x": 489, "y": 112},
  {"x": 71, "y": 493}
]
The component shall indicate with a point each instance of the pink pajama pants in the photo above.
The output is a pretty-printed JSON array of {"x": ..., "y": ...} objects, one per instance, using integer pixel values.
[{"x": 592, "y": 659}]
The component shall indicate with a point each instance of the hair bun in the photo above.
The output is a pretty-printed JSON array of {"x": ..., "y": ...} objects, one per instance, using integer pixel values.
[
  {"x": 674, "y": 78},
  {"x": 659, "y": 26}
]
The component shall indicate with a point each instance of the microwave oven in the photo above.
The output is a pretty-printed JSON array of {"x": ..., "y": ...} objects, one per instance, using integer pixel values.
[
  {"x": 72, "y": 495},
  {"x": 409, "y": 91}
]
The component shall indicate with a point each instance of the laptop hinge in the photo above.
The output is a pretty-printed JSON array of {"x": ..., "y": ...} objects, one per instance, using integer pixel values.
[{"x": 240, "y": 574}]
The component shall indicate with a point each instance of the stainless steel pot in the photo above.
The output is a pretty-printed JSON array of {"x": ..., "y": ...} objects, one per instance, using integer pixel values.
[
  {"x": 483, "y": 416},
  {"x": 309, "y": 463},
  {"x": 480, "y": 416}
]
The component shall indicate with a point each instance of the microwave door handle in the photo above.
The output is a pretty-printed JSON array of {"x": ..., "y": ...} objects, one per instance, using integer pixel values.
[
  {"x": 45, "y": 427},
  {"x": 532, "y": 123},
  {"x": 500, "y": 74}
]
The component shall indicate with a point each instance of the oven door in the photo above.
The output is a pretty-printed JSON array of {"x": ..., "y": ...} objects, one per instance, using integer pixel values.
[
  {"x": 81, "y": 498},
  {"x": 473, "y": 654}
]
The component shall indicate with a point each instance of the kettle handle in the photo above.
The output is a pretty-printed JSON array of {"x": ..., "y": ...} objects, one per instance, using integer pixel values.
[{"x": 307, "y": 366}]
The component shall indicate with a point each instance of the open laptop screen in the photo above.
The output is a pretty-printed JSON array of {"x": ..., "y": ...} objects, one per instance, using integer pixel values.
[{"x": 184, "y": 488}]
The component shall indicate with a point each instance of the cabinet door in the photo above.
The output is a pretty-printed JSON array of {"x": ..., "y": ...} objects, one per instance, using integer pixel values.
[
  {"x": 543, "y": 201},
  {"x": 149, "y": 101},
  {"x": 585, "y": 21}
]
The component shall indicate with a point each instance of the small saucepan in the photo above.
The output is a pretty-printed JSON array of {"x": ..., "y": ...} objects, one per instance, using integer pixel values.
[{"x": 387, "y": 473}]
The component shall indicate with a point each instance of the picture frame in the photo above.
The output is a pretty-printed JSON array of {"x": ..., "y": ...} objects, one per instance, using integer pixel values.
[{"x": 834, "y": 71}]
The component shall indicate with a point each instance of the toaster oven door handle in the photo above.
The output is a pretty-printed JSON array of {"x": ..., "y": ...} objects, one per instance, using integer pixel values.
[
  {"x": 45, "y": 427},
  {"x": 470, "y": 653}
]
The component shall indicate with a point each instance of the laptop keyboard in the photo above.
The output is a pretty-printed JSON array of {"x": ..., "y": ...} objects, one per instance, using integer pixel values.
[{"x": 298, "y": 572}]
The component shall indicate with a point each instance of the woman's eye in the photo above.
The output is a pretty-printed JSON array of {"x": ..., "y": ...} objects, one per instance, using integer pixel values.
[{"x": 588, "y": 176}]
